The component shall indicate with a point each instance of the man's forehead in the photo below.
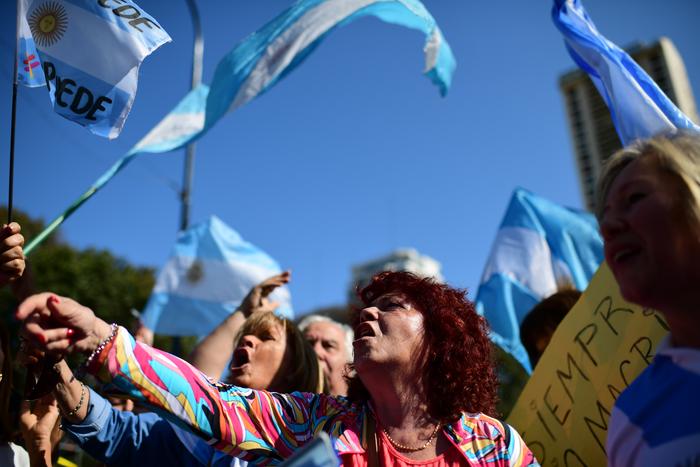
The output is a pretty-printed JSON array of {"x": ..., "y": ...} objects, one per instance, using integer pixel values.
[{"x": 324, "y": 330}]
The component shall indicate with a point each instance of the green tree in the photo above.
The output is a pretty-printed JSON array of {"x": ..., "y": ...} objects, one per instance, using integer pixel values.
[
  {"x": 512, "y": 378},
  {"x": 96, "y": 278}
]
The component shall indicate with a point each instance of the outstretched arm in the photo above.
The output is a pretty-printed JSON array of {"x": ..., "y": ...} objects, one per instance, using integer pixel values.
[
  {"x": 252, "y": 425},
  {"x": 214, "y": 352}
]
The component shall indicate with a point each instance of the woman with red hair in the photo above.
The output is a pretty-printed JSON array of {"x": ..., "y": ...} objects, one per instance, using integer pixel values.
[{"x": 423, "y": 389}]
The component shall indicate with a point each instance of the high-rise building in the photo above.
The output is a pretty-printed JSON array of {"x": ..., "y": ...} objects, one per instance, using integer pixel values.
[
  {"x": 592, "y": 130},
  {"x": 407, "y": 259}
]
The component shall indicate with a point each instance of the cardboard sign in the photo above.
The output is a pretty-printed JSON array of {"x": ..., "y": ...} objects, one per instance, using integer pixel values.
[{"x": 596, "y": 352}]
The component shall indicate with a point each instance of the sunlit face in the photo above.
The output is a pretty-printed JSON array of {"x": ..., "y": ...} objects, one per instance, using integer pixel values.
[
  {"x": 651, "y": 245},
  {"x": 390, "y": 334},
  {"x": 259, "y": 361},
  {"x": 328, "y": 341}
]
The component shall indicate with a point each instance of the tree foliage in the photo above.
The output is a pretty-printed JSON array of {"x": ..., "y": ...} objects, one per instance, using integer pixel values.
[{"x": 96, "y": 278}]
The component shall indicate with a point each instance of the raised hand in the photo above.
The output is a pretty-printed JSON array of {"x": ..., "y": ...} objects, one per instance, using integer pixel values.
[
  {"x": 38, "y": 422},
  {"x": 11, "y": 254},
  {"x": 257, "y": 299}
]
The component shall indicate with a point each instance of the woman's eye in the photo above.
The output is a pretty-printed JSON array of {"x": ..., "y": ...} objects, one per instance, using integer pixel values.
[{"x": 634, "y": 197}]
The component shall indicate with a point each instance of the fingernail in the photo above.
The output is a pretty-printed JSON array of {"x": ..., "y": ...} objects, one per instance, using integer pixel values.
[
  {"x": 69, "y": 333},
  {"x": 41, "y": 338},
  {"x": 54, "y": 299}
]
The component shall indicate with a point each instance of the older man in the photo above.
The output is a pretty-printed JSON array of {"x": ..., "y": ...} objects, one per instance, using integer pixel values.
[{"x": 332, "y": 342}]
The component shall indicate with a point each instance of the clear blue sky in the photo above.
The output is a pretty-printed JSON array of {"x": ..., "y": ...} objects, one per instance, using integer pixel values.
[{"x": 352, "y": 155}]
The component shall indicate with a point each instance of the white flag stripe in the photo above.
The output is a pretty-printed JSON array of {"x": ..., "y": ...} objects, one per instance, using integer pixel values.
[
  {"x": 172, "y": 127},
  {"x": 225, "y": 282},
  {"x": 280, "y": 53},
  {"x": 524, "y": 256},
  {"x": 98, "y": 56},
  {"x": 432, "y": 49}
]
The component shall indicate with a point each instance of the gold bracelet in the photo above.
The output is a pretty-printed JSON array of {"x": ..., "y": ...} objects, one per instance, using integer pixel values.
[{"x": 80, "y": 404}]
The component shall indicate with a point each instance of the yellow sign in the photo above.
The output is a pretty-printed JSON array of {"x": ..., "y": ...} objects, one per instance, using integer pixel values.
[{"x": 599, "y": 348}]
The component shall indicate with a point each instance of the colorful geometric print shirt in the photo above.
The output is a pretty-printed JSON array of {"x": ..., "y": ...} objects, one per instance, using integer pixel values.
[{"x": 265, "y": 428}]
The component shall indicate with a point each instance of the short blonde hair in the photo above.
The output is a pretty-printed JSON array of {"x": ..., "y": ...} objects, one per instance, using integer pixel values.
[
  {"x": 304, "y": 373},
  {"x": 678, "y": 154}
]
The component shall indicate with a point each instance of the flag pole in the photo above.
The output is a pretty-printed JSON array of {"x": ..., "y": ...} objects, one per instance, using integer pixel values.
[
  {"x": 188, "y": 175},
  {"x": 197, "y": 52},
  {"x": 13, "y": 119}
]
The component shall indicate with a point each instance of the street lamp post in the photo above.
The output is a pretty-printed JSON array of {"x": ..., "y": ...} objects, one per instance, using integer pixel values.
[
  {"x": 197, "y": 53},
  {"x": 185, "y": 194}
]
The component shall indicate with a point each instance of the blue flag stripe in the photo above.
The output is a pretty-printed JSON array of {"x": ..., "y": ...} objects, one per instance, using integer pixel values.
[{"x": 638, "y": 107}]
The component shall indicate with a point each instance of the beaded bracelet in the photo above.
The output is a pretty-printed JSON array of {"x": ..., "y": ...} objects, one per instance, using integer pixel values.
[
  {"x": 80, "y": 403},
  {"x": 98, "y": 350}
]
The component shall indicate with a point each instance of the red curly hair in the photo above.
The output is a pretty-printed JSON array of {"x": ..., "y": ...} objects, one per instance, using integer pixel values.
[{"x": 459, "y": 373}]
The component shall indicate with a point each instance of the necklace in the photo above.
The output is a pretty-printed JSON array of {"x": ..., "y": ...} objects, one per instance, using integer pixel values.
[{"x": 403, "y": 447}]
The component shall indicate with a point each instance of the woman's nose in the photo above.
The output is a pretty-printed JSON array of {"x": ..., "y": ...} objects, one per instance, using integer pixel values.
[
  {"x": 369, "y": 313},
  {"x": 610, "y": 225},
  {"x": 249, "y": 340}
]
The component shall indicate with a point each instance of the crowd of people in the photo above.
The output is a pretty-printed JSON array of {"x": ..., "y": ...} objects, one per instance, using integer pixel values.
[{"x": 412, "y": 382}]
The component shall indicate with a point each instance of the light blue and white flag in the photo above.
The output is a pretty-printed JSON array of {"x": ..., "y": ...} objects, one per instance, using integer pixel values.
[
  {"x": 90, "y": 53},
  {"x": 260, "y": 61},
  {"x": 29, "y": 71},
  {"x": 638, "y": 107},
  {"x": 209, "y": 273},
  {"x": 269, "y": 54},
  {"x": 540, "y": 246}
]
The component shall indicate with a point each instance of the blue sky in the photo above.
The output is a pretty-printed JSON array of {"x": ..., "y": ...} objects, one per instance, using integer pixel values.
[{"x": 353, "y": 155}]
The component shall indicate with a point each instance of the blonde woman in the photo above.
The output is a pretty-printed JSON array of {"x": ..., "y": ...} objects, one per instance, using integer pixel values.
[{"x": 649, "y": 213}]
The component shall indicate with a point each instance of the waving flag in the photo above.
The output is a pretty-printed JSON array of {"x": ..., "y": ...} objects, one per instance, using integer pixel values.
[
  {"x": 269, "y": 54},
  {"x": 259, "y": 61},
  {"x": 210, "y": 272},
  {"x": 90, "y": 53},
  {"x": 29, "y": 70},
  {"x": 638, "y": 107},
  {"x": 540, "y": 246}
]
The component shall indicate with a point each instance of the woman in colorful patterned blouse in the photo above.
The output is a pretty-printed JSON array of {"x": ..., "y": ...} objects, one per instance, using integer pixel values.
[{"x": 424, "y": 383}]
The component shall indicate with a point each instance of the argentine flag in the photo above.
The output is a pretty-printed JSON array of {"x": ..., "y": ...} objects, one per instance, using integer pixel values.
[
  {"x": 89, "y": 53},
  {"x": 262, "y": 59},
  {"x": 209, "y": 273},
  {"x": 29, "y": 72},
  {"x": 540, "y": 246},
  {"x": 637, "y": 105}
]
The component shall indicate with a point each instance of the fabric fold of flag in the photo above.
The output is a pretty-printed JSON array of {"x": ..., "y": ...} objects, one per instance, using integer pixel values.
[
  {"x": 29, "y": 71},
  {"x": 211, "y": 270},
  {"x": 637, "y": 105},
  {"x": 269, "y": 54},
  {"x": 540, "y": 247},
  {"x": 259, "y": 61},
  {"x": 90, "y": 53}
]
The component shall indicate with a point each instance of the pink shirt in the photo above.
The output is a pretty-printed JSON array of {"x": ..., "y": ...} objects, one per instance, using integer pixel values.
[{"x": 390, "y": 457}]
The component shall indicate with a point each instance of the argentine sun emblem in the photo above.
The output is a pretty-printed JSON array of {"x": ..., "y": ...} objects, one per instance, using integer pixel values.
[
  {"x": 48, "y": 23},
  {"x": 195, "y": 273}
]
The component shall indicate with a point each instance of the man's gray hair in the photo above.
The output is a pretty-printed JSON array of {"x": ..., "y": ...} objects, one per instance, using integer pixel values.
[{"x": 347, "y": 330}]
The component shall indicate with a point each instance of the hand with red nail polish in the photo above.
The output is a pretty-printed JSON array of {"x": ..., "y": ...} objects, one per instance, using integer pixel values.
[{"x": 63, "y": 324}]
